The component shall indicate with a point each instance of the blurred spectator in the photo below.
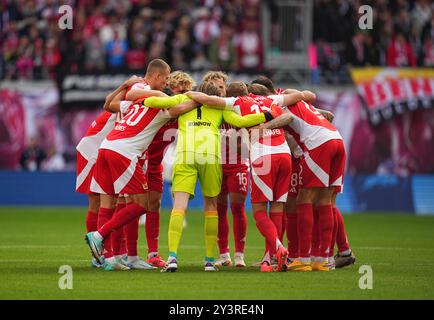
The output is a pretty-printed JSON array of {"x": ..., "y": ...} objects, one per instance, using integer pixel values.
[
  {"x": 421, "y": 14},
  {"x": 156, "y": 42},
  {"x": 428, "y": 52},
  {"x": 52, "y": 56},
  {"x": 329, "y": 61},
  {"x": 249, "y": 47},
  {"x": 362, "y": 51},
  {"x": 192, "y": 33},
  {"x": 94, "y": 53},
  {"x": 206, "y": 28},
  {"x": 222, "y": 51},
  {"x": 180, "y": 46},
  {"x": 116, "y": 50},
  {"x": 32, "y": 156},
  {"x": 54, "y": 161},
  {"x": 113, "y": 28},
  {"x": 400, "y": 52},
  {"x": 200, "y": 62}
]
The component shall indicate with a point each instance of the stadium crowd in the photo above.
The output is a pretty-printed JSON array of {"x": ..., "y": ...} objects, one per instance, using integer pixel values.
[
  {"x": 120, "y": 35},
  {"x": 402, "y": 35},
  {"x": 201, "y": 35}
]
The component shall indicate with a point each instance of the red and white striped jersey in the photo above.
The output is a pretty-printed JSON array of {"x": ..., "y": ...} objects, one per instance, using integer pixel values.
[
  {"x": 309, "y": 128},
  {"x": 98, "y": 130},
  {"x": 133, "y": 134},
  {"x": 273, "y": 141}
]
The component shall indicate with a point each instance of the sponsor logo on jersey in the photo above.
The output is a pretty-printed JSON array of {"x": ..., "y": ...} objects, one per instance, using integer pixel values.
[{"x": 199, "y": 124}]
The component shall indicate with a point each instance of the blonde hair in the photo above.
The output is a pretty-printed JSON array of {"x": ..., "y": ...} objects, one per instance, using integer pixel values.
[
  {"x": 180, "y": 80},
  {"x": 215, "y": 75}
]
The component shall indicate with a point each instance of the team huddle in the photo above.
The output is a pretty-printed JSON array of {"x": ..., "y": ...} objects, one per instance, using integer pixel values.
[{"x": 232, "y": 137}]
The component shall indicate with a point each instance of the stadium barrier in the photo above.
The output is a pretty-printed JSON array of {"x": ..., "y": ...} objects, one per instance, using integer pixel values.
[{"x": 362, "y": 193}]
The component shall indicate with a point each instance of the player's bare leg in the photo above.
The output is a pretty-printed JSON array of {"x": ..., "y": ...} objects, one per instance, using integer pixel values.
[{"x": 152, "y": 227}]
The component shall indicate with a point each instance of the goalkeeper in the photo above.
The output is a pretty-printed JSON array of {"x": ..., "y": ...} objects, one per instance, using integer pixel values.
[{"x": 198, "y": 157}]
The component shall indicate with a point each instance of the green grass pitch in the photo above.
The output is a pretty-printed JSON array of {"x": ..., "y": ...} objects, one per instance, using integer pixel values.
[{"x": 35, "y": 242}]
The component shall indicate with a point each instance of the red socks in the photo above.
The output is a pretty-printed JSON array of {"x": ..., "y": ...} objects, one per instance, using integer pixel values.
[
  {"x": 315, "y": 252},
  {"x": 223, "y": 228},
  {"x": 131, "y": 231},
  {"x": 91, "y": 221},
  {"x": 117, "y": 236},
  {"x": 284, "y": 223},
  {"x": 335, "y": 232},
  {"x": 326, "y": 222},
  {"x": 304, "y": 228},
  {"x": 341, "y": 235},
  {"x": 240, "y": 226},
  {"x": 124, "y": 216},
  {"x": 267, "y": 228},
  {"x": 152, "y": 231},
  {"x": 291, "y": 234},
  {"x": 104, "y": 216},
  {"x": 277, "y": 218}
]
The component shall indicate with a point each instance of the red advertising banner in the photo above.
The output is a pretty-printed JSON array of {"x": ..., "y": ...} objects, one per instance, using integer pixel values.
[{"x": 387, "y": 92}]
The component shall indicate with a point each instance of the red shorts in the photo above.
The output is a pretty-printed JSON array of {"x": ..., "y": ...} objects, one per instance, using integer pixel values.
[
  {"x": 154, "y": 176},
  {"x": 84, "y": 174},
  {"x": 324, "y": 166},
  {"x": 116, "y": 174},
  {"x": 235, "y": 179},
  {"x": 271, "y": 178},
  {"x": 295, "y": 178}
]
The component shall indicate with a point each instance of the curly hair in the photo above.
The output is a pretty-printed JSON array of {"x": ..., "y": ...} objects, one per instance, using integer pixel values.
[
  {"x": 213, "y": 75},
  {"x": 181, "y": 81}
]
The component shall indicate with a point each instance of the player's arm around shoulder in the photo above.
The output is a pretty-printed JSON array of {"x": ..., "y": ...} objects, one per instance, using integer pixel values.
[
  {"x": 282, "y": 120},
  {"x": 214, "y": 102},
  {"x": 247, "y": 121},
  {"x": 140, "y": 91},
  {"x": 112, "y": 100},
  {"x": 182, "y": 108},
  {"x": 165, "y": 102}
]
